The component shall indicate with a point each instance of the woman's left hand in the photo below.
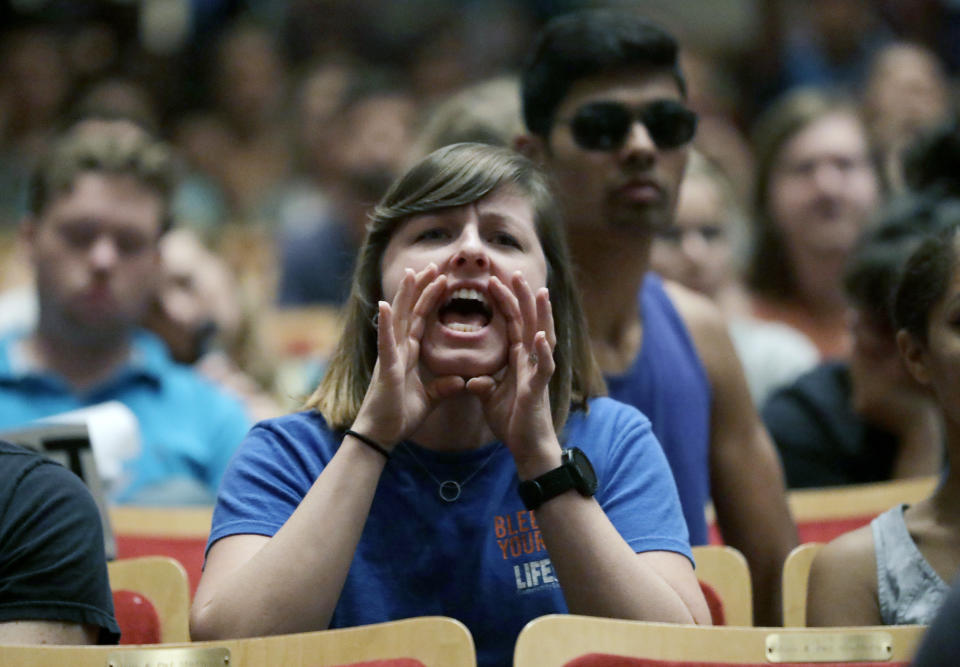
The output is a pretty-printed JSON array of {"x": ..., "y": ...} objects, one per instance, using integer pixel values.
[{"x": 517, "y": 402}]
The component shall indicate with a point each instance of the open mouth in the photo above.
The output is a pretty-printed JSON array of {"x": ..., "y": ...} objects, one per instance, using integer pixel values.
[{"x": 466, "y": 310}]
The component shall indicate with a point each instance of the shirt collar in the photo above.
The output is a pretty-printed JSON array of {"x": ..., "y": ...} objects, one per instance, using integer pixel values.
[{"x": 148, "y": 360}]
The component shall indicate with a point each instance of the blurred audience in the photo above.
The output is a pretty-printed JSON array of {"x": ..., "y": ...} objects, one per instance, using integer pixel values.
[
  {"x": 299, "y": 171},
  {"x": 241, "y": 142},
  {"x": 907, "y": 92},
  {"x": 864, "y": 419},
  {"x": 816, "y": 188},
  {"x": 367, "y": 138},
  {"x": 34, "y": 85},
  {"x": 99, "y": 205},
  {"x": 705, "y": 250},
  {"x": 486, "y": 112},
  {"x": 895, "y": 571},
  {"x": 819, "y": 43},
  {"x": 716, "y": 97},
  {"x": 199, "y": 315}
]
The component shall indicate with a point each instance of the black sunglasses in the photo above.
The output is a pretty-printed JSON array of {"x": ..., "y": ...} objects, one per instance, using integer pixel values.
[{"x": 604, "y": 126}]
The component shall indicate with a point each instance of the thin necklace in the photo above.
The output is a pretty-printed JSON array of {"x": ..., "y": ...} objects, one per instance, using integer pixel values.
[{"x": 450, "y": 489}]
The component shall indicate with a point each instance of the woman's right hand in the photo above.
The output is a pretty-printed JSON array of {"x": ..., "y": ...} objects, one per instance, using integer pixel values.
[{"x": 397, "y": 399}]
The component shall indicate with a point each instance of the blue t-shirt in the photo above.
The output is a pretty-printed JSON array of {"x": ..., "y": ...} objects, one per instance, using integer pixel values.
[
  {"x": 189, "y": 427},
  {"x": 316, "y": 263},
  {"x": 667, "y": 382},
  {"x": 480, "y": 559}
]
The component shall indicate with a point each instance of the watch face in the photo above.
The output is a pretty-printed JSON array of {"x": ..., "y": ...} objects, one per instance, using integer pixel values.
[{"x": 586, "y": 476}]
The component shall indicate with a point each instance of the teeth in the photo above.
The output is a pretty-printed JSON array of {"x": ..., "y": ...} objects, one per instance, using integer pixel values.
[
  {"x": 466, "y": 328},
  {"x": 465, "y": 293}
]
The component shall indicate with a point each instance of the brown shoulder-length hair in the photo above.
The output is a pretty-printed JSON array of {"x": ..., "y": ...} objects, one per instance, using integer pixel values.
[
  {"x": 457, "y": 175},
  {"x": 770, "y": 271}
]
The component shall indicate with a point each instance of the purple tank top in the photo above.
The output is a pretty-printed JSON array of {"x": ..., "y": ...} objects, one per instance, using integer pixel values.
[{"x": 667, "y": 382}]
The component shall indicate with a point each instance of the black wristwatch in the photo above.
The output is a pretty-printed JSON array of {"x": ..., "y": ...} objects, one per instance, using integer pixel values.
[{"x": 575, "y": 472}]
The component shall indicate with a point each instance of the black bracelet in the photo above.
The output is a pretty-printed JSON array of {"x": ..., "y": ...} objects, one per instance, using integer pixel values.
[{"x": 369, "y": 442}]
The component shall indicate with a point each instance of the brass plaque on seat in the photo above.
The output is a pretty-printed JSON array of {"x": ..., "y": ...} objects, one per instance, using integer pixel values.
[
  {"x": 170, "y": 657},
  {"x": 829, "y": 646}
]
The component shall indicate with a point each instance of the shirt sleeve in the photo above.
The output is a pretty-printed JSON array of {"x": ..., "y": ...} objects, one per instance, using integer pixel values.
[
  {"x": 811, "y": 428},
  {"x": 52, "y": 561},
  {"x": 268, "y": 477},
  {"x": 636, "y": 488},
  {"x": 229, "y": 430}
]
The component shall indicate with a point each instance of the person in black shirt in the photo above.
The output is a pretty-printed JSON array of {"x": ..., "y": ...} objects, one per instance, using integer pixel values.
[{"x": 54, "y": 587}]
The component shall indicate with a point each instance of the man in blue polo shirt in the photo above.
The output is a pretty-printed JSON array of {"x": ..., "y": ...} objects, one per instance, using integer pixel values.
[{"x": 98, "y": 206}]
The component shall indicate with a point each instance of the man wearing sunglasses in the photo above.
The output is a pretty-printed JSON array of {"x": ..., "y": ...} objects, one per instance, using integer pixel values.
[{"x": 604, "y": 104}]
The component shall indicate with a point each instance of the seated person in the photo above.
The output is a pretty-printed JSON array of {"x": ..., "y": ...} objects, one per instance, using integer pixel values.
[
  {"x": 99, "y": 205},
  {"x": 895, "y": 570},
  {"x": 705, "y": 250},
  {"x": 866, "y": 419},
  {"x": 199, "y": 314},
  {"x": 53, "y": 571},
  {"x": 817, "y": 188},
  {"x": 418, "y": 481},
  {"x": 606, "y": 115}
]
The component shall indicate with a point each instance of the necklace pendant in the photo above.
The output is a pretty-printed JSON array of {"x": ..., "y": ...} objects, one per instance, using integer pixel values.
[{"x": 449, "y": 490}]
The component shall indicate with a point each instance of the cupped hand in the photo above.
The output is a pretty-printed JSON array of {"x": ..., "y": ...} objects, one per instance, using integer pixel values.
[
  {"x": 397, "y": 399},
  {"x": 517, "y": 402}
]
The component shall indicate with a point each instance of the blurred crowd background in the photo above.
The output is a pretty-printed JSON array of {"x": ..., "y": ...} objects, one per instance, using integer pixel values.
[{"x": 291, "y": 117}]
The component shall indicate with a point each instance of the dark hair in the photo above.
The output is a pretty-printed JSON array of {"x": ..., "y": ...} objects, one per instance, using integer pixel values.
[
  {"x": 587, "y": 43},
  {"x": 925, "y": 279},
  {"x": 452, "y": 176},
  {"x": 880, "y": 254},
  {"x": 932, "y": 167},
  {"x": 770, "y": 270},
  {"x": 932, "y": 161}
]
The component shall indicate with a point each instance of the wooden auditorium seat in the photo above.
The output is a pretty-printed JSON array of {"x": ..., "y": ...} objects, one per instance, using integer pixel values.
[
  {"x": 822, "y": 514},
  {"x": 724, "y": 576},
  {"x": 178, "y": 532},
  {"x": 796, "y": 575},
  {"x": 151, "y": 598},
  {"x": 586, "y": 641},
  {"x": 825, "y": 513},
  {"x": 430, "y": 641}
]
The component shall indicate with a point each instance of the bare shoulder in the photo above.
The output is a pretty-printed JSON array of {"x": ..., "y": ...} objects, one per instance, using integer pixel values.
[
  {"x": 699, "y": 313},
  {"x": 852, "y": 549},
  {"x": 709, "y": 332},
  {"x": 842, "y": 589}
]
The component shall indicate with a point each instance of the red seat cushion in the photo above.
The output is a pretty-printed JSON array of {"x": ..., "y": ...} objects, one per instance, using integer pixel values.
[
  {"x": 714, "y": 603},
  {"x": 138, "y": 619},
  {"x": 812, "y": 530},
  {"x": 187, "y": 550},
  {"x": 825, "y": 530},
  {"x": 390, "y": 662},
  {"x": 607, "y": 660}
]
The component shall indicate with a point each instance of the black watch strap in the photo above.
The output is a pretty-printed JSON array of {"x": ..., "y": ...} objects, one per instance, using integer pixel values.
[
  {"x": 535, "y": 492},
  {"x": 575, "y": 472}
]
